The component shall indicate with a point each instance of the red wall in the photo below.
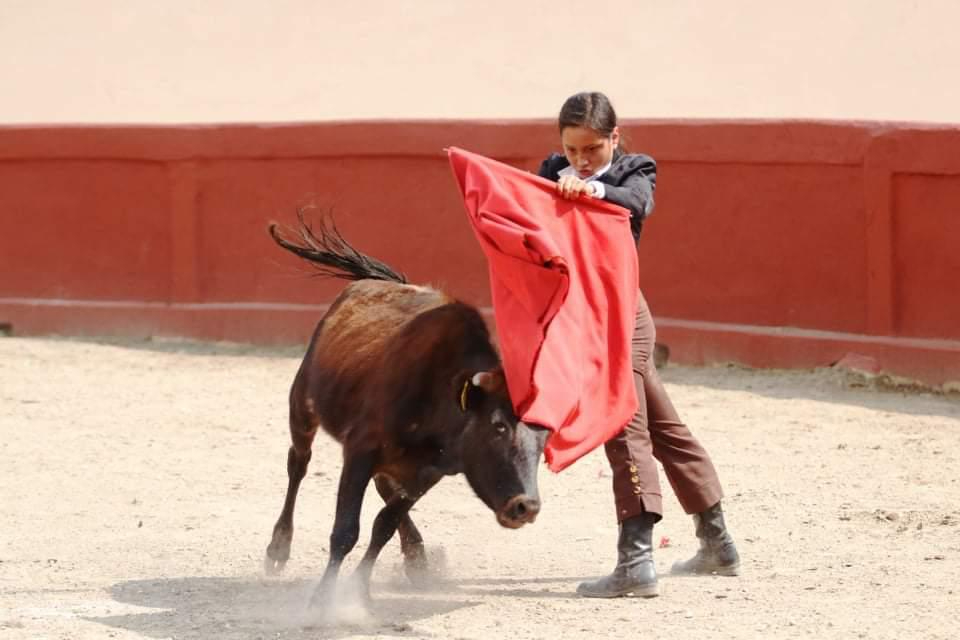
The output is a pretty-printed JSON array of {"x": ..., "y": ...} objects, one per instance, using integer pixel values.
[{"x": 772, "y": 243}]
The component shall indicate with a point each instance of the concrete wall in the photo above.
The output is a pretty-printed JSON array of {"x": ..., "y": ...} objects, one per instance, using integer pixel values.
[
  {"x": 773, "y": 244},
  {"x": 216, "y": 61}
]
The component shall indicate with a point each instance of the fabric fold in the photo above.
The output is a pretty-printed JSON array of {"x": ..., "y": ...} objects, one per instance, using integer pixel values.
[{"x": 563, "y": 276}]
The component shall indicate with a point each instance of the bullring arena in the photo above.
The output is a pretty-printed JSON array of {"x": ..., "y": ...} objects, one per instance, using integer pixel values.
[
  {"x": 142, "y": 480},
  {"x": 801, "y": 265}
]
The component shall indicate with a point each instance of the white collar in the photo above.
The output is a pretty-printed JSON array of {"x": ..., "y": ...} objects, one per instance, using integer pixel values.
[{"x": 570, "y": 171}]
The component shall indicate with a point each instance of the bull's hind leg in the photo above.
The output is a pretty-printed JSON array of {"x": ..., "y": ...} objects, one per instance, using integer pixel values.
[
  {"x": 298, "y": 457},
  {"x": 411, "y": 542}
]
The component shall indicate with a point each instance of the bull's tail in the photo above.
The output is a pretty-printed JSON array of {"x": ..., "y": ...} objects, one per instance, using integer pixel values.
[{"x": 331, "y": 255}]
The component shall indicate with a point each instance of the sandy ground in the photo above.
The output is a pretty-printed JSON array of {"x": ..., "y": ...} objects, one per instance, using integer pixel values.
[{"x": 140, "y": 482}]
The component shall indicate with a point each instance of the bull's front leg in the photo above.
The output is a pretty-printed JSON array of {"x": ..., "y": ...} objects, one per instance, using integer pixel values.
[
  {"x": 354, "y": 478},
  {"x": 393, "y": 514}
]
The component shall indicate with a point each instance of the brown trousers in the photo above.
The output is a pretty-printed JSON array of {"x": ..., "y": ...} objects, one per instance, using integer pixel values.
[{"x": 655, "y": 431}]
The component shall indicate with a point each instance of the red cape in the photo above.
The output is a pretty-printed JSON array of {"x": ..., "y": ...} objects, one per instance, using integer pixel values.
[{"x": 563, "y": 274}]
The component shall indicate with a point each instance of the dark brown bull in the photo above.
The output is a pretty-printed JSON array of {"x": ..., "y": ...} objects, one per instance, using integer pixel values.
[{"x": 407, "y": 380}]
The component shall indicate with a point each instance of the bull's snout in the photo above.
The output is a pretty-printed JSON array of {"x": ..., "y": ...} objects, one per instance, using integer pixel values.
[{"x": 518, "y": 511}]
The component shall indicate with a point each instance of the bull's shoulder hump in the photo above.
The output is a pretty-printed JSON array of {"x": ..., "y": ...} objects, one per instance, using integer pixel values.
[
  {"x": 387, "y": 287},
  {"x": 403, "y": 297},
  {"x": 369, "y": 312}
]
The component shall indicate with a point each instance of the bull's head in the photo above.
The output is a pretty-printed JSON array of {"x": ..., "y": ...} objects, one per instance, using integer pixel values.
[{"x": 500, "y": 453}]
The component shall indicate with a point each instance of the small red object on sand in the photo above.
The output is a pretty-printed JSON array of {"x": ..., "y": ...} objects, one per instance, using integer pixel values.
[
  {"x": 664, "y": 542},
  {"x": 859, "y": 362}
]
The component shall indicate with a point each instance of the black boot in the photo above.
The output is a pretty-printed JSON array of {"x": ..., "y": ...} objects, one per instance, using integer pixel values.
[
  {"x": 717, "y": 552},
  {"x": 634, "y": 572}
]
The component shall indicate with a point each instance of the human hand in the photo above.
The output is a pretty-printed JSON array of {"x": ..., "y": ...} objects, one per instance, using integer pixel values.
[{"x": 570, "y": 187}]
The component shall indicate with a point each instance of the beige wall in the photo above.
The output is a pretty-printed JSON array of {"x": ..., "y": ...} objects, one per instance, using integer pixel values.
[{"x": 117, "y": 61}]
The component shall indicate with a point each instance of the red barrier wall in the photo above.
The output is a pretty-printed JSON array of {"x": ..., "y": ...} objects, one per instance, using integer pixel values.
[{"x": 772, "y": 243}]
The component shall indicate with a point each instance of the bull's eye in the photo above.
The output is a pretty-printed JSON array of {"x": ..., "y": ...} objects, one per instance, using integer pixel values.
[{"x": 501, "y": 428}]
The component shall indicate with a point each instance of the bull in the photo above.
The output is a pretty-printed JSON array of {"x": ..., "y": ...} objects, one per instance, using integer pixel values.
[{"x": 408, "y": 381}]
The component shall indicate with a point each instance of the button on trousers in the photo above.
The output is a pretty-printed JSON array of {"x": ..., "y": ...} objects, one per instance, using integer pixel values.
[{"x": 656, "y": 433}]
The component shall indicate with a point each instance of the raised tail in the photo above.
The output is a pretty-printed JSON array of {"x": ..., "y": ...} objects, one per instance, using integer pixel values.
[{"x": 331, "y": 255}]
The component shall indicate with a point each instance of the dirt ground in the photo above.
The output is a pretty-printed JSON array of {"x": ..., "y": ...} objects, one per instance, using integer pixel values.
[{"x": 139, "y": 483}]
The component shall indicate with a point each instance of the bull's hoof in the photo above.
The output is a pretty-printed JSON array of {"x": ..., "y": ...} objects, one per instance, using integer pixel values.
[
  {"x": 342, "y": 599},
  {"x": 273, "y": 567},
  {"x": 416, "y": 566},
  {"x": 278, "y": 552},
  {"x": 424, "y": 570},
  {"x": 323, "y": 596}
]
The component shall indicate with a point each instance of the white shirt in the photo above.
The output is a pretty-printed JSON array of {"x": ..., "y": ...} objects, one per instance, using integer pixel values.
[{"x": 599, "y": 189}]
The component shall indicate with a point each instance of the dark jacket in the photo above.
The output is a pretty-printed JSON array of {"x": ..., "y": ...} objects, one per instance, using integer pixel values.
[{"x": 629, "y": 182}]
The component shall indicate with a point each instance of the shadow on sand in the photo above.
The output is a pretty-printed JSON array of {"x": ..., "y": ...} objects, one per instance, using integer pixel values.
[
  {"x": 209, "y": 607},
  {"x": 830, "y": 385}
]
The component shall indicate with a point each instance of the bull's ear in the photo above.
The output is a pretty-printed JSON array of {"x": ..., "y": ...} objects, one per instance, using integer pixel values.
[{"x": 473, "y": 388}]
